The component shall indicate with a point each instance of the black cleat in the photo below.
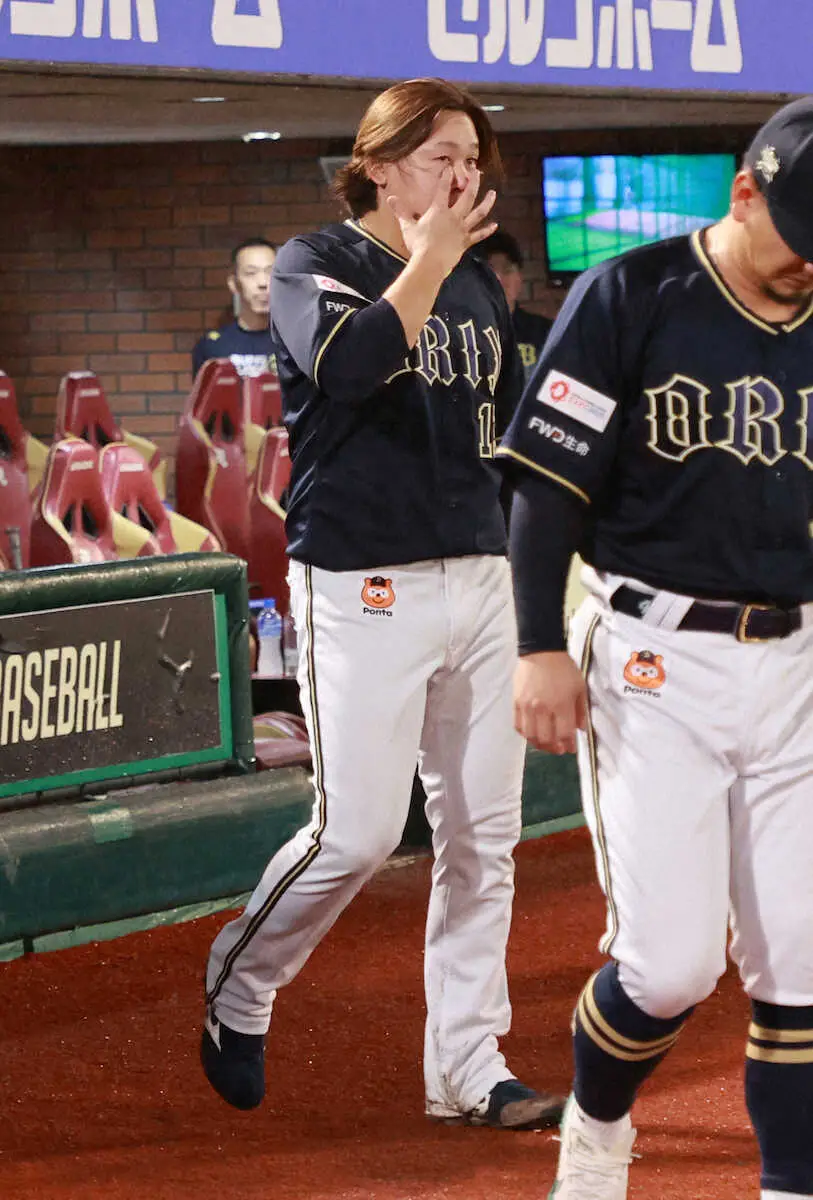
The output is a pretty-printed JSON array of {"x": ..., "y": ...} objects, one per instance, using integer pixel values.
[
  {"x": 512, "y": 1105},
  {"x": 234, "y": 1063}
]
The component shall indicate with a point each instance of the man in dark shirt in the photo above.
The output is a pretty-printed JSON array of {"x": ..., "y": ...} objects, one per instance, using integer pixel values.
[
  {"x": 502, "y": 253},
  {"x": 247, "y": 339}
]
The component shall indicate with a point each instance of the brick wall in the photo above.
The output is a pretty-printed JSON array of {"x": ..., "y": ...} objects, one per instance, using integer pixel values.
[{"x": 114, "y": 258}]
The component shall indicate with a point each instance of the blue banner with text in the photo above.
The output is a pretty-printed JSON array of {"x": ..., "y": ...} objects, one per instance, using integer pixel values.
[{"x": 731, "y": 45}]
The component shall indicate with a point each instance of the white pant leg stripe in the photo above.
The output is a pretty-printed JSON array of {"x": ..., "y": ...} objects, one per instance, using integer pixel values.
[
  {"x": 605, "y": 945},
  {"x": 318, "y": 782}
]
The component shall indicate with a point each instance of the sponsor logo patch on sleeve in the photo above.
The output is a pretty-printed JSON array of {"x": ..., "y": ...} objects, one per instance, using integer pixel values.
[
  {"x": 326, "y": 284},
  {"x": 575, "y": 399}
]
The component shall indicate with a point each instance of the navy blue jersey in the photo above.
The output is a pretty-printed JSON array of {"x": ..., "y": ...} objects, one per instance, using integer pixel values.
[
  {"x": 251, "y": 350},
  {"x": 684, "y": 422},
  {"x": 392, "y": 450},
  {"x": 531, "y": 332}
]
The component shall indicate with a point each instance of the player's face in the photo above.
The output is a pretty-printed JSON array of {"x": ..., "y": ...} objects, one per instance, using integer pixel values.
[
  {"x": 251, "y": 280},
  {"x": 414, "y": 180},
  {"x": 777, "y": 272},
  {"x": 509, "y": 275}
]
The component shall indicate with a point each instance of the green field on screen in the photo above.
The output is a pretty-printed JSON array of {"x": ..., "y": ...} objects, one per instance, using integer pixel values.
[{"x": 600, "y": 206}]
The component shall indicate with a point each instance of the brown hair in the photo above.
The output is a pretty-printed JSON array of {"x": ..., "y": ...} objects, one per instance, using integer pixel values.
[{"x": 398, "y": 122}]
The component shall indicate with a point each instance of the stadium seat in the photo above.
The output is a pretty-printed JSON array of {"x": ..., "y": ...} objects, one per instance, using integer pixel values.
[
  {"x": 130, "y": 491},
  {"x": 263, "y": 411},
  {"x": 82, "y": 411},
  {"x": 210, "y": 461},
  {"x": 72, "y": 520},
  {"x": 15, "y": 478},
  {"x": 268, "y": 559},
  {"x": 280, "y": 740}
]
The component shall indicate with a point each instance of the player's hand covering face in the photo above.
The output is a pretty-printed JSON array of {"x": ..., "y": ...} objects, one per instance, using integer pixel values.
[{"x": 433, "y": 193}]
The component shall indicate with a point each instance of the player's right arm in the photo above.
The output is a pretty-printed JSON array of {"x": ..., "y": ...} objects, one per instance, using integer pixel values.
[
  {"x": 560, "y": 448},
  {"x": 346, "y": 342},
  {"x": 349, "y": 344},
  {"x": 436, "y": 243}
]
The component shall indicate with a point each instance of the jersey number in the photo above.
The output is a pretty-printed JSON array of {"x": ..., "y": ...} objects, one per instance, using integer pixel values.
[{"x": 486, "y": 415}]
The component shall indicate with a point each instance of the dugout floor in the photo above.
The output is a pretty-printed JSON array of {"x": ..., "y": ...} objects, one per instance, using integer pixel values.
[{"x": 102, "y": 1095}]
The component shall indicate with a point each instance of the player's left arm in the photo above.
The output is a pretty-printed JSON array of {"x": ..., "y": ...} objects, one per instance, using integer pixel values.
[{"x": 561, "y": 447}]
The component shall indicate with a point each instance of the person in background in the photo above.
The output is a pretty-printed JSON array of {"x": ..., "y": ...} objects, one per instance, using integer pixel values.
[
  {"x": 247, "y": 339},
  {"x": 502, "y": 253}
]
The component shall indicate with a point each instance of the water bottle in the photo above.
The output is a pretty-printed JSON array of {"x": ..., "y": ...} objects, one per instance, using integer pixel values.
[
  {"x": 269, "y": 633},
  {"x": 290, "y": 653}
]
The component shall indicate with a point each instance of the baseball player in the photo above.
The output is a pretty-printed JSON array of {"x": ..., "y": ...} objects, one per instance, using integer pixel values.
[
  {"x": 398, "y": 371},
  {"x": 246, "y": 340},
  {"x": 502, "y": 253},
  {"x": 668, "y": 435}
]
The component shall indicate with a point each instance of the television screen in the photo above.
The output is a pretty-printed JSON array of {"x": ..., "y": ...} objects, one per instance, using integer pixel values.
[{"x": 596, "y": 207}]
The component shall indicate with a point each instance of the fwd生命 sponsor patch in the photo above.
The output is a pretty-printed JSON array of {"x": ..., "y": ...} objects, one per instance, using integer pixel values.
[
  {"x": 575, "y": 399},
  {"x": 326, "y": 284}
]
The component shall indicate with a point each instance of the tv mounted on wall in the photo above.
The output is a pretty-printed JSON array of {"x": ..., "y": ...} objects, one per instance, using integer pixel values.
[{"x": 596, "y": 206}]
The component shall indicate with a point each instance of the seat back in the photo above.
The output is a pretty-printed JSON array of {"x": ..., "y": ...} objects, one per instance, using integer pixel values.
[
  {"x": 131, "y": 492},
  {"x": 83, "y": 412},
  {"x": 263, "y": 400},
  {"x": 72, "y": 520},
  {"x": 268, "y": 558},
  {"x": 263, "y": 410},
  {"x": 210, "y": 462},
  {"x": 15, "y": 490}
]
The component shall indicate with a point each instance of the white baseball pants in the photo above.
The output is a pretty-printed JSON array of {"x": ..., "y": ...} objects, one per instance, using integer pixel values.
[
  {"x": 425, "y": 678},
  {"x": 697, "y": 785}
]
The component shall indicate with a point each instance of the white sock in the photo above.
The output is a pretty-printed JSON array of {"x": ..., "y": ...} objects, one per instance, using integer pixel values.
[
  {"x": 608, "y": 1132},
  {"x": 785, "y": 1196}
]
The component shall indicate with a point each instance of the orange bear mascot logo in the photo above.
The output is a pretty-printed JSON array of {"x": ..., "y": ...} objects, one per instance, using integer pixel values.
[
  {"x": 645, "y": 670},
  {"x": 378, "y": 592}
]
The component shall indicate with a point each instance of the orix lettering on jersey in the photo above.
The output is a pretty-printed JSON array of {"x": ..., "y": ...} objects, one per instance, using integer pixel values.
[
  {"x": 680, "y": 398},
  {"x": 759, "y": 420},
  {"x": 442, "y": 354},
  {"x": 376, "y": 425}
]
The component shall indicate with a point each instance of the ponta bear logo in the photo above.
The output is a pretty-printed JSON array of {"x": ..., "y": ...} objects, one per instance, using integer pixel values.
[
  {"x": 378, "y": 596},
  {"x": 644, "y": 671}
]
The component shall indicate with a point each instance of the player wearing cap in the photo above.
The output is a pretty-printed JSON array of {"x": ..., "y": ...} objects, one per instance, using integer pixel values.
[
  {"x": 668, "y": 435},
  {"x": 398, "y": 369}
]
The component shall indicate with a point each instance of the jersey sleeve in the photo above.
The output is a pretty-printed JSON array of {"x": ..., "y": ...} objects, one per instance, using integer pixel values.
[
  {"x": 566, "y": 426},
  {"x": 347, "y": 343}
]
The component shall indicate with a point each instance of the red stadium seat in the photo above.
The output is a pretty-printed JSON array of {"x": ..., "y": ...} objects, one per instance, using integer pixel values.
[
  {"x": 130, "y": 491},
  {"x": 83, "y": 412},
  {"x": 263, "y": 401},
  {"x": 15, "y": 482},
  {"x": 268, "y": 559},
  {"x": 210, "y": 461},
  {"x": 72, "y": 520}
]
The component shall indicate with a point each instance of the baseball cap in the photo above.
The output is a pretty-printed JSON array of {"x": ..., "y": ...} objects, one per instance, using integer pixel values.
[{"x": 781, "y": 160}]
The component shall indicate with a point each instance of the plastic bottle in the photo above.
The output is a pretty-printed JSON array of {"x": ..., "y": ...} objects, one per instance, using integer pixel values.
[
  {"x": 269, "y": 632},
  {"x": 290, "y": 653}
]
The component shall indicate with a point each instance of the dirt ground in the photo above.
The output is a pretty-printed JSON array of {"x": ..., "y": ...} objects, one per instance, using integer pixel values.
[{"x": 102, "y": 1094}]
